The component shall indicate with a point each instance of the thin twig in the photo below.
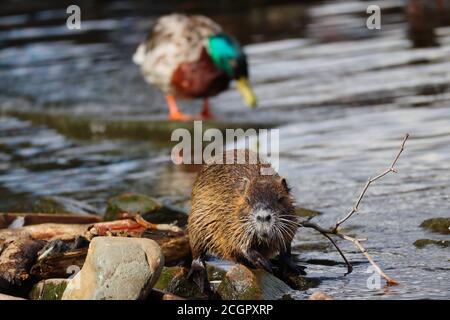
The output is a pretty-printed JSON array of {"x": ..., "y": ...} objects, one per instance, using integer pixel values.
[
  {"x": 163, "y": 227},
  {"x": 390, "y": 281},
  {"x": 349, "y": 265},
  {"x": 357, "y": 242},
  {"x": 370, "y": 181}
]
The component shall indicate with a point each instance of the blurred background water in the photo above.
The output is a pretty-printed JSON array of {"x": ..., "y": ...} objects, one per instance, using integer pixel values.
[{"x": 78, "y": 122}]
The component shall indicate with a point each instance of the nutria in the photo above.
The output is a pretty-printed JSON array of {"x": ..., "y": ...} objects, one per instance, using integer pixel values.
[{"x": 241, "y": 212}]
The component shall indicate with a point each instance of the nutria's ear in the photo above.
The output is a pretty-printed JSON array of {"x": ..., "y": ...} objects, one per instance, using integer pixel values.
[
  {"x": 244, "y": 184},
  {"x": 285, "y": 185}
]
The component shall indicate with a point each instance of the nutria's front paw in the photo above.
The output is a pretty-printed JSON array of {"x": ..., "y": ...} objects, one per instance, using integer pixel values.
[
  {"x": 287, "y": 265},
  {"x": 257, "y": 260}
]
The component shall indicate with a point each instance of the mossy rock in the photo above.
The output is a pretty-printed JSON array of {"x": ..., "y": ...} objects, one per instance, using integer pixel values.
[
  {"x": 56, "y": 204},
  {"x": 440, "y": 225},
  {"x": 167, "y": 214},
  {"x": 159, "y": 131},
  {"x": 149, "y": 208},
  {"x": 49, "y": 205},
  {"x": 241, "y": 283},
  {"x": 174, "y": 280},
  {"x": 49, "y": 289},
  {"x": 301, "y": 283},
  {"x": 131, "y": 203},
  {"x": 422, "y": 243},
  {"x": 215, "y": 273}
]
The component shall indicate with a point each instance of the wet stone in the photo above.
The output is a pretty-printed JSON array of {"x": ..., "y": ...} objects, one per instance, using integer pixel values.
[
  {"x": 149, "y": 208},
  {"x": 301, "y": 283},
  {"x": 174, "y": 280},
  {"x": 55, "y": 204},
  {"x": 117, "y": 268},
  {"x": 241, "y": 283},
  {"x": 422, "y": 243},
  {"x": 131, "y": 203},
  {"x": 439, "y": 225}
]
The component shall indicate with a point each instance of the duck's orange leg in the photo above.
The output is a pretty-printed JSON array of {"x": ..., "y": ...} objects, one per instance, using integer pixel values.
[
  {"x": 174, "y": 113},
  {"x": 206, "y": 114}
]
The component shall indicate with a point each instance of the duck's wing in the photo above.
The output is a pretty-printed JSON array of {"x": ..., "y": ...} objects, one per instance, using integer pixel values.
[{"x": 175, "y": 38}]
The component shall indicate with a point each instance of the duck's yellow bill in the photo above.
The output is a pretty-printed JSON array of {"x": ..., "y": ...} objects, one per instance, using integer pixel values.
[{"x": 246, "y": 92}]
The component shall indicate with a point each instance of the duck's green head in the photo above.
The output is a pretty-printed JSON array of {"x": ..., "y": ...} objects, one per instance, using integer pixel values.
[{"x": 227, "y": 55}]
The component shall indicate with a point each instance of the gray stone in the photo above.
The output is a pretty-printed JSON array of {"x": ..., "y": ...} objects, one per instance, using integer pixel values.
[
  {"x": 439, "y": 225},
  {"x": 117, "y": 268}
]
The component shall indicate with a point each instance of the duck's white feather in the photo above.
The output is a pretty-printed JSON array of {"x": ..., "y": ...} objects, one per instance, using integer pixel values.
[{"x": 175, "y": 39}]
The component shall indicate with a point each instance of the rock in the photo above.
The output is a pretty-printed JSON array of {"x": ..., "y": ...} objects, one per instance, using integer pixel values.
[
  {"x": 168, "y": 214},
  {"x": 131, "y": 203},
  {"x": 301, "y": 283},
  {"x": 56, "y": 204},
  {"x": 8, "y": 297},
  {"x": 319, "y": 295},
  {"x": 229, "y": 281},
  {"x": 49, "y": 289},
  {"x": 156, "y": 130},
  {"x": 422, "y": 243},
  {"x": 174, "y": 280},
  {"x": 440, "y": 225},
  {"x": 241, "y": 283},
  {"x": 117, "y": 268},
  {"x": 149, "y": 208}
]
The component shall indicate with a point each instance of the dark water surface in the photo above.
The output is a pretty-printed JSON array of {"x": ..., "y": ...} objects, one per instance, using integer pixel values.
[{"x": 343, "y": 97}]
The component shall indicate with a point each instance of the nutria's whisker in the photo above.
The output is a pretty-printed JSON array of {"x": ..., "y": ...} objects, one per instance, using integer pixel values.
[{"x": 226, "y": 219}]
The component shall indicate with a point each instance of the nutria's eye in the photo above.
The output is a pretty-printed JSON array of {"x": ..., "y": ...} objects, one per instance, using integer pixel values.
[{"x": 281, "y": 198}]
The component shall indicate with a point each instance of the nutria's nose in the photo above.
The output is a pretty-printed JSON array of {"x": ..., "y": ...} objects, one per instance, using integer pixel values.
[{"x": 264, "y": 217}]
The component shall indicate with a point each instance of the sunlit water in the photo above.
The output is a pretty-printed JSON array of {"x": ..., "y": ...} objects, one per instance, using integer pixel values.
[{"x": 342, "y": 96}]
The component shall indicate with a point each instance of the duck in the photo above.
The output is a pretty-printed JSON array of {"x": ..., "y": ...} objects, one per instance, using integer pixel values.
[{"x": 191, "y": 57}]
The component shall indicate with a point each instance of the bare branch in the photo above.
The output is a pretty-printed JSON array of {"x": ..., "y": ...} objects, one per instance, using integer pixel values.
[
  {"x": 357, "y": 242},
  {"x": 390, "y": 281},
  {"x": 370, "y": 181}
]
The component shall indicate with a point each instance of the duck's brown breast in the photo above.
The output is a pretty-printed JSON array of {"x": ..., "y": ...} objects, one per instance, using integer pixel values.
[{"x": 200, "y": 78}]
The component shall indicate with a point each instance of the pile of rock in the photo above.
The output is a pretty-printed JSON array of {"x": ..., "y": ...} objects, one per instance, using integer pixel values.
[{"x": 74, "y": 257}]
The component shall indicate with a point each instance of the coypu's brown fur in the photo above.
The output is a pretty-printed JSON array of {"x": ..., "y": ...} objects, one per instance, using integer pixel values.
[{"x": 224, "y": 199}]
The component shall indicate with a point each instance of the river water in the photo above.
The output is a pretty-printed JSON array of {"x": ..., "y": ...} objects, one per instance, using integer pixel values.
[{"x": 341, "y": 95}]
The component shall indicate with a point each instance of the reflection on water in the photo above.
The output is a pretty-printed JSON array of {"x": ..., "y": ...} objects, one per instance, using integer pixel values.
[{"x": 342, "y": 95}]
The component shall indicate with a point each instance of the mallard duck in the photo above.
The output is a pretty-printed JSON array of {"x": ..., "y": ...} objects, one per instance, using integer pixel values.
[{"x": 189, "y": 56}]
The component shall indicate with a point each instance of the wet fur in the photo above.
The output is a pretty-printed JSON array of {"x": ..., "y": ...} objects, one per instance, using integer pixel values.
[{"x": 222, "y": 198}]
